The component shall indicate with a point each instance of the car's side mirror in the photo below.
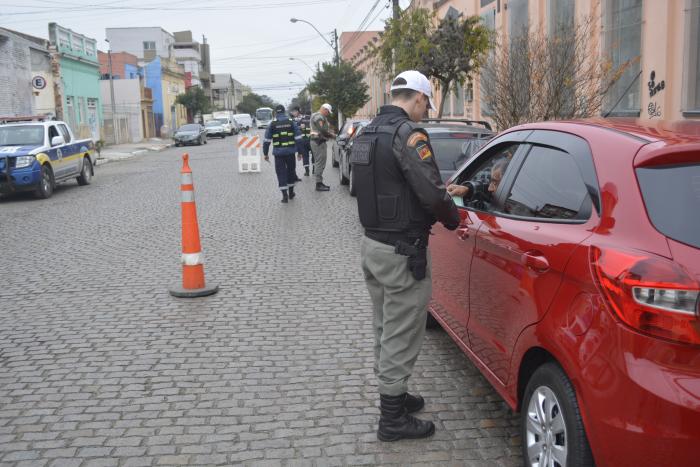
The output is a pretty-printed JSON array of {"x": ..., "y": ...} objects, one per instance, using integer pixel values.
[{"x": 57, "y": 141}]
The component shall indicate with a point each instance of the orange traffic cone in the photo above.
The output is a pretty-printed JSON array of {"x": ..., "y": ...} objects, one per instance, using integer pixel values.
[{"x": 193, "y": 284}]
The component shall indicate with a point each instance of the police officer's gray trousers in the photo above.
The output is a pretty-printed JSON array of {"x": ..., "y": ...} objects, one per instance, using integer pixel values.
[
  {"x": 320, "y": 155},
  {"x": 400, "y": 311}
]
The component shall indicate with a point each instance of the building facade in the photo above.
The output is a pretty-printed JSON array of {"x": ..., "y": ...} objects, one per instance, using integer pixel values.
[
  {"x": 226, "y": 92},
  {"x": 26, "y": 76},
  {"x": 187, "y": 53},
  {"x": 355, "y": 47},
  {"x": 146, "y": 43},
  {"x": 78, "y": 89},
  {"x": 657, "y": 43}
]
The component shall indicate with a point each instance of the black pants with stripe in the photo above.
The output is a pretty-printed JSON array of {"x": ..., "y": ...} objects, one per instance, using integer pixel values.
[{"x": 285, "y": 169}]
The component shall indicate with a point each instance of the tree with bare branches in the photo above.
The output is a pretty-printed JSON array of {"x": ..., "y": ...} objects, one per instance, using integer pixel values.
[{"x": 539, "y": 76}]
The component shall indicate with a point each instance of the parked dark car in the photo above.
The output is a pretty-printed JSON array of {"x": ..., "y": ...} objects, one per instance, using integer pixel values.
[
  {"x": 346, "y": 133},
  {"x": 573, "y": 284},
  {"x": 192, "y": 133},
  {"x": 453, "y": 142}
]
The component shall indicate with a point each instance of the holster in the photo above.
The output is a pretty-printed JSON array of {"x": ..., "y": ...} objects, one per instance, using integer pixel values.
[{"x": 417, "y": 257}]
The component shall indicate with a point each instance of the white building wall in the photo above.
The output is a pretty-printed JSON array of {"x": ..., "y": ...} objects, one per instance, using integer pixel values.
[
  {"x": 127, "y": 108},
  {"x": 131, "y": 40}
]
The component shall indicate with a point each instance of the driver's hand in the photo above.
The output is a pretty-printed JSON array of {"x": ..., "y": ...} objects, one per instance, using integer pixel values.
[
  {"x": 267, "y": 158},
  {"x": 457, "y": 190}
]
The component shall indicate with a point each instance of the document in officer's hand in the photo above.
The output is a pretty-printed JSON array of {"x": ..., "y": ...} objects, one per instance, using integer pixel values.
[{"x": 459, "y": 201}]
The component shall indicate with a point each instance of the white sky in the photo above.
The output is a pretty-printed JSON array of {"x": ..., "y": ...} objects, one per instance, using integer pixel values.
[{"x": 251, "y": 39}]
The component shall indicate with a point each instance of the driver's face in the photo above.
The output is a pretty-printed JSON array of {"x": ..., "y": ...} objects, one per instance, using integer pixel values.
[{"x": 496, "y": 176}]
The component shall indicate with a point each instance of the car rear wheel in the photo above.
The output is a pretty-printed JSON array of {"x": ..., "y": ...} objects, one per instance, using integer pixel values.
[
  {"x": 351, "y": 185},
  {"x": 199, "y": 141},
  {"x": 85, "y": 176},
  {"x": 552, "y": 429},
  {"x": 46, "y": 183}
]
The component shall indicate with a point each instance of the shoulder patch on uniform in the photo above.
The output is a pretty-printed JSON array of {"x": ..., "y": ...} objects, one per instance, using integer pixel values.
[
  {"x": 416, "y": 138},
  {"x": 424, "y": 152}
]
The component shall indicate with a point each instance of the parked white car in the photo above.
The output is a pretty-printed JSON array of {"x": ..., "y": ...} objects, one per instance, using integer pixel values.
[{"x": 245, "y": 121}]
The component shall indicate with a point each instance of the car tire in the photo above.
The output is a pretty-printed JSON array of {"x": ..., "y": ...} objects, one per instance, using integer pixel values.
[
  {"x": 46, "y": 183},
  {"x": 351, "y": 186},
  {"x": 559, "y": 428},
  {"x": 177, "y": 145},
  {"x": 199, "y": 141},
  {"x": 205, "y": 140},
  {"x": 86, "y": 173}
]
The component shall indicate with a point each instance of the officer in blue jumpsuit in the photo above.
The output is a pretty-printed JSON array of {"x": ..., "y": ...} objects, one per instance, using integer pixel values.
[
  {"x": 284, "y": 136},
  {"x": 304, "y": 123}
]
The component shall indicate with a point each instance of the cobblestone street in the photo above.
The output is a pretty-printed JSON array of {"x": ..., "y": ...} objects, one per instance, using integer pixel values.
[{"x": 100, "y": 366}]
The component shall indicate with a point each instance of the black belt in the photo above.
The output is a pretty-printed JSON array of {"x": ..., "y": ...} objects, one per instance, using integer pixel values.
[{"x": 390, "y": 238}]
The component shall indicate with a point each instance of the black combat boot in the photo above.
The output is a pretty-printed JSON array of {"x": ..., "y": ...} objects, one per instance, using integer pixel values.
[
  {"x": 321, "y": 187},
  {"x": 285, "y": 198},
  {"x": 396, "y": 424},
  {"x": 291, "y": 192},
  {"x": 306, "y": 171},
  {"x": 414, "y": 403}
]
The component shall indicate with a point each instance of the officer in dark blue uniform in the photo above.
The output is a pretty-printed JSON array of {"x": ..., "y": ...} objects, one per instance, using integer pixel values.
[
  {"x": 400, "y": 195},
  {"x": 304, "y": 124},
  {"x": 285, "y": 138}
]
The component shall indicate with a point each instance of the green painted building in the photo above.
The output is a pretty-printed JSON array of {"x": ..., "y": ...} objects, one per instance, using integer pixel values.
[{"x": 78, "y": 85}]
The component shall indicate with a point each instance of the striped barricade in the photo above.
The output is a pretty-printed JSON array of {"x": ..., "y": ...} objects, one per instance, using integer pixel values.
[{"x": 249, "y": 153}]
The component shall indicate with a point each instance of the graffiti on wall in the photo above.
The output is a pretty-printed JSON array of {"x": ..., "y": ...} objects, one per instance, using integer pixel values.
[{"x": 654, "y": 109}]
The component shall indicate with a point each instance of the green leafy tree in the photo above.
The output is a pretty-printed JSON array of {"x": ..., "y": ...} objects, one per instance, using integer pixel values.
[
  {"x": 195, "y": 101},
  {"x": 405, "y": 43},
  {"x": 450, "y": 52},
  {"x": 459, "y": 48},
  {"x": 340, "y": 85},
  {"x": 252, "y": 101},
  {"x": 303, "y": 101}
]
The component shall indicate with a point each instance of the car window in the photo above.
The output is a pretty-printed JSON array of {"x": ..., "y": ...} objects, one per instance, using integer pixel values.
[
  {"x": 52, "y": 132},
  {"x": 550, "y": 186},
  {"x": 64, "y": 131},
  {"x": 672, "y": 196},
  {"x": 484, "y": 175},
  {"x": 190, "y": 127},
  {"x": 451, "y": 153}
]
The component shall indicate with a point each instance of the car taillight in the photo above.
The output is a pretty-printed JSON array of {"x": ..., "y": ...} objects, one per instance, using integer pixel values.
[
  {"x": 649, "y": 293},
  {"x": 351, "y": 130}
]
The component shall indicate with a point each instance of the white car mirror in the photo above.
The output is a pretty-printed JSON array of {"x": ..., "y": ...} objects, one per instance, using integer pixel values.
[{"x": 57, "y": 141}]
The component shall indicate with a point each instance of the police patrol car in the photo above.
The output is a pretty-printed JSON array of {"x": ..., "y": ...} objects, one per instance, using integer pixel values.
[{"x": 36, "y": 155}]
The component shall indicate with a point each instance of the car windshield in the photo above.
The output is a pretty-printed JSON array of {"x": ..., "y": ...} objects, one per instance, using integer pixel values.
[
  {"x": 214, "y": 123},
  {"x": 263, "y": 114},
  {"x": 189, "y": 128},
  {"x": 221, "y": 121},
  {"x": 22, "y": 135},
  {"x": 672, "y": 196}
]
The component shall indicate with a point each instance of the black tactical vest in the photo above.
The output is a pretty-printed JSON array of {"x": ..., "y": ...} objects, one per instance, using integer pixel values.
[
  {"x": 282, "y": 133},
  {"x": 304, "y": 123},
  {"x": 385, "y": 201}
]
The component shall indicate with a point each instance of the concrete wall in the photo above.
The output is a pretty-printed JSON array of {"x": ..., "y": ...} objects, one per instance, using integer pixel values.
[
  {"x": 131, "y": 40},
  {"x": 20, "y": 61},
  {"x": 127, "y": 108},
  {"x": 123, "y": 63},
  {"x": 153, "y": 76},
  {"x": 81, "y": 97}
]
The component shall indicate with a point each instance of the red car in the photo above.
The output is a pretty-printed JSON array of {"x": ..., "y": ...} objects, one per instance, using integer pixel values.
[{"x": 573, "y": 284}]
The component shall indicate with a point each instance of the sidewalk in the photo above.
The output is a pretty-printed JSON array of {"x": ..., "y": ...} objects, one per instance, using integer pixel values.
[{"x": 117, "y": 152}]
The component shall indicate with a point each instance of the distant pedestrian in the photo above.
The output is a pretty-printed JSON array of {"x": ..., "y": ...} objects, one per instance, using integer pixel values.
[
  {"x": 320, "y": 134},
  {"x": 400, "y": 195},
  {"x": 285, "y": 137},
  {"x": 304, "y": 124}
]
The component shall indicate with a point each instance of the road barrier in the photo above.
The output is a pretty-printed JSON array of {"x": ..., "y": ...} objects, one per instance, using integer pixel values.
[
  {"x": 249, "y": 153},
  {"x": 193, "y": 283}
]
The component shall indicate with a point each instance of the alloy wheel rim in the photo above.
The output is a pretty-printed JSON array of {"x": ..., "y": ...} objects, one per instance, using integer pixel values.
[
  {"x": 46, "y": 181},
  {"x": 546, "y": 435}
]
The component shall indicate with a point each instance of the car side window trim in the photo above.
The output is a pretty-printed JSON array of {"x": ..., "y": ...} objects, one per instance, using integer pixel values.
[
  {"x": 579, "y": 150},
  {"x": 504, "y": 189}
]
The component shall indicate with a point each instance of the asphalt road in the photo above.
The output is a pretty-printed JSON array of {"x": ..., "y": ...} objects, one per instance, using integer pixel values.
[{"x": 99, "y": 365}]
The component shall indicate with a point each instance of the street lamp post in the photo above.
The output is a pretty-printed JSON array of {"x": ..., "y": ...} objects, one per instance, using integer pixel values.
[
  {"x": 302, "y": 61},
  {"x": 333, "y": 46},
  {"x": 111, "y": 91}
]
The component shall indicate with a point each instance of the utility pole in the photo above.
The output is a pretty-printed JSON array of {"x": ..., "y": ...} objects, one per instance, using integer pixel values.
[
  {"x": 337, "y": 64},
  {"x": 111, "y": 91},
  {"x": 396, "y": 14}
]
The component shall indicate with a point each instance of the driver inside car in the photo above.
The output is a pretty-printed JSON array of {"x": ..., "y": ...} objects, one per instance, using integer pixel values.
[{"x": 471, "y": 189}]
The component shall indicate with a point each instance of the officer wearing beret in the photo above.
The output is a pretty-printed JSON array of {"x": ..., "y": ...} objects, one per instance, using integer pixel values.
[
  {"x": 320, "y": 134},
  {"x": 400, "y": 195}
]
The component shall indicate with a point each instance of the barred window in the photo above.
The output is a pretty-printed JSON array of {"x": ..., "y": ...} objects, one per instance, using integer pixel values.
[{"x": 623, "y": 38}]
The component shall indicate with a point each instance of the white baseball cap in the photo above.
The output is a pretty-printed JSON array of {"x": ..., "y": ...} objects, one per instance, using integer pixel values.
[
  {"x": 327, "y": 106},
  {"x": 417, "y": 81}
]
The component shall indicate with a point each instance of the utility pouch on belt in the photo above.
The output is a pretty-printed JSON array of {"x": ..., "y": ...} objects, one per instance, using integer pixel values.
[{"x": 417, "y": 257}]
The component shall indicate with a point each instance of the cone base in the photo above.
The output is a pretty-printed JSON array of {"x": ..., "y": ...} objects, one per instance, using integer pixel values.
[{"x": 193, "y": 293}]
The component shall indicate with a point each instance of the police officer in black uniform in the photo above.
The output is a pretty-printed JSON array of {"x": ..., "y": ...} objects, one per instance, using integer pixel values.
[
  {"x": 285, "y": 137},
  {"x": 304, "y": 124},
  {"x": 400, "y": 195}
]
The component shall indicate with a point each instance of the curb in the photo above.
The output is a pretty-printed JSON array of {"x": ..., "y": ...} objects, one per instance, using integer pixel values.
[{"x": 138, "y": 152}]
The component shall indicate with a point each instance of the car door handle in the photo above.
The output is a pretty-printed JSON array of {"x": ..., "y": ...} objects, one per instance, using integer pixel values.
[
  {"x": 535, "y": 261},
  {"x": 463, "y": 233}
]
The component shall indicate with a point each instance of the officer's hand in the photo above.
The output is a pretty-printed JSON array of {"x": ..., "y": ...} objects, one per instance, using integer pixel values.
[{"x": 267, "y": 158}]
